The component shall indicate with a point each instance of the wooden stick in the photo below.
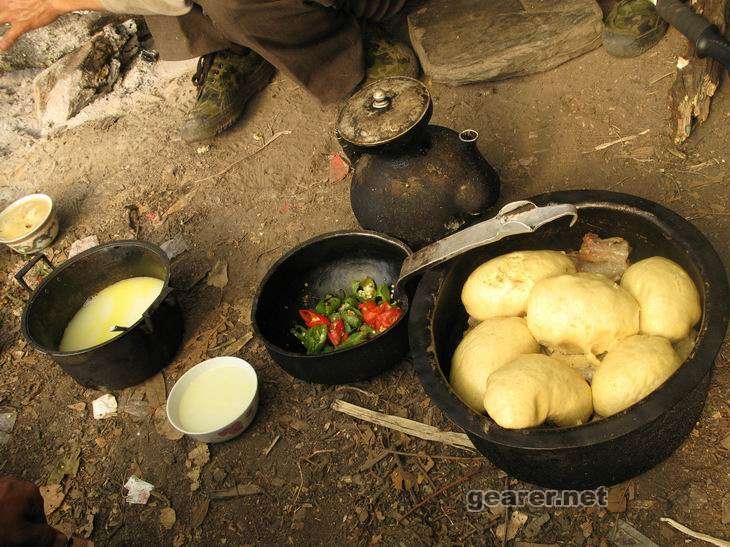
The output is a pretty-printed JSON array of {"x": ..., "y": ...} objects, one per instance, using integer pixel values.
[
  {"x": 697, "y": 81},
  {"x": 404, "y": 425},
  {"x": 619, "y": 141},
  {"x": 441, "y": 490},
  {"x": 696, "y": 535},
  {"x": 237, "y": 162}
]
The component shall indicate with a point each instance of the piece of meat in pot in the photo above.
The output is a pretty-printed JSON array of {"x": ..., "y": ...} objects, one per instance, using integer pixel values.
[{"x": 608, "y": 257}]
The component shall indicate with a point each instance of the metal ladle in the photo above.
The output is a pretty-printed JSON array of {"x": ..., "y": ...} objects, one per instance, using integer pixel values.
[{"x": 518, "y": 217}]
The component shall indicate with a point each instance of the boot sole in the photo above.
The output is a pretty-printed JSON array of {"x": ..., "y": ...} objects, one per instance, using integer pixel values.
[{"x": 625, "y": 46}]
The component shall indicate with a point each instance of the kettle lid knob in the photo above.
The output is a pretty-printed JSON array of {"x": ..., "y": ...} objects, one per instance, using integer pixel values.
[{"x": 380, "y": 99}]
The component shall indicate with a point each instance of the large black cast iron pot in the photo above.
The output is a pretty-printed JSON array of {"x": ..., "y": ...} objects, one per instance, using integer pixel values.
[
  {"x": 133, "y": 356},
  {"x": 322, "y": 265},
  {"x": 613, "y": 449}
]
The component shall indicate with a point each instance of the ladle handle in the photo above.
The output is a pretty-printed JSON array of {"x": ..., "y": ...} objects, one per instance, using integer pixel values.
[
  {"x": 518, "y": 217},
  {"x": 20, "y": 276}
]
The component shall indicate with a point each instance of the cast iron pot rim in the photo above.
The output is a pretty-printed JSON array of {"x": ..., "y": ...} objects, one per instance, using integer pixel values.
[
  {"x": 70, "y": 263},
  {"x": 403, "y": 299},
  {"x": 700, "y": 363}
]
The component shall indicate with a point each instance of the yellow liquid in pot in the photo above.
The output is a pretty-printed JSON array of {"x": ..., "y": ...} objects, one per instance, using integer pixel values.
[
  {"x": 23, "y": 219},
  {"x": 216, "y": 398},
  {"x": 121, "y": 304}
]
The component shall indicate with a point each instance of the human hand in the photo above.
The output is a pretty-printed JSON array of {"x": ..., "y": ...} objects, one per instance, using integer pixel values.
[
  {"x": 22, "y": 520},
  {"x": 25, "y": 15}
]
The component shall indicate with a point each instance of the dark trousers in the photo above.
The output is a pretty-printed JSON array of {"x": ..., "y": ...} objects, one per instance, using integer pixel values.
[{"x": 317, "y": 43}]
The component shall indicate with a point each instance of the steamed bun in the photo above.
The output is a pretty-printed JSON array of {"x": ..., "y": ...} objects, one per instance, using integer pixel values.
[
  {"x": 581, "y": 313},
  {"x": 534, "y": 389},
  {"x": 631, "y": 370},
  {"x": 500, "y": 286},
  {"x": 483, "y": 350},
  {"x": 669, "y": 300}
]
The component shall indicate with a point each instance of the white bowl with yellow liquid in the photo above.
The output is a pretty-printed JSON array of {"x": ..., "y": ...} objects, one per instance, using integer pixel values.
[
  {"x": 214, "y": 401},
  {"x": 29, "y": 224}
]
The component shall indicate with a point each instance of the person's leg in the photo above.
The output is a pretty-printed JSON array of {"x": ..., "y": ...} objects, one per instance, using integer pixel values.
[
  {"x": 185, "y": 37},
  {"x": 319, "y": 47}
]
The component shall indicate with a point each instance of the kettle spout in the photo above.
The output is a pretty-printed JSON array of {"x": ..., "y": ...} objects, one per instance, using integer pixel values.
[{"x": 469, "y": 136}]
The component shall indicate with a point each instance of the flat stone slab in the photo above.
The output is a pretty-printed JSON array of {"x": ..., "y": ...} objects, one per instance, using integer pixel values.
[{"x": 464, "y": 41}]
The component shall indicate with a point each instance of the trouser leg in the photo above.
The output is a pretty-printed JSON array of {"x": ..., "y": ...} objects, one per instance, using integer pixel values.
[
  {"x": 319, "y": 47},
  {"x": 185, "y": 37}
]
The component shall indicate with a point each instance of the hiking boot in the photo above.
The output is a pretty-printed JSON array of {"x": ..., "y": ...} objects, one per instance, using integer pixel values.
[
  {"x": 385, "y": 57},
  {"x": 632, "y": 27},
  {"x": 225, "y": 82}
]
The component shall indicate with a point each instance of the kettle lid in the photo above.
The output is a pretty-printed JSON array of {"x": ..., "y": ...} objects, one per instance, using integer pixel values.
[{"x": 383, "y": 111}]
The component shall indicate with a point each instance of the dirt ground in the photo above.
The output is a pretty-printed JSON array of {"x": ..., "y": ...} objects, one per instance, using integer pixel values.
[{"x": 319, "y": 483}]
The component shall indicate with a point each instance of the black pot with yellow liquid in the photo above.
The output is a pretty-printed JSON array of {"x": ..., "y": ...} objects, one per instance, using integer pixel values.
[{"x": 137, "y": 353}]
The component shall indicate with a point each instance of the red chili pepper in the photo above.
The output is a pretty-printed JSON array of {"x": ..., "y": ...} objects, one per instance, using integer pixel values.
[
  {"x": 336, "y": 332},
  {"x": 381, "y": 317},
  {"x": 312, "y": 318},
  {"x": 369, "y": 311},
  {"x": 387, "y": 317}
]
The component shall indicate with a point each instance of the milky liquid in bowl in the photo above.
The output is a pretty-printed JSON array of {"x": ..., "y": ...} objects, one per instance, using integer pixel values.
[
  {"x": 215, "y": 398},
  {"x": 22, "y": 219}
]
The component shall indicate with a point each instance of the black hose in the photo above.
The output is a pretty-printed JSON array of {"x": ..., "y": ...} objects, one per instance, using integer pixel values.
[{"x": 707, "y": 39}]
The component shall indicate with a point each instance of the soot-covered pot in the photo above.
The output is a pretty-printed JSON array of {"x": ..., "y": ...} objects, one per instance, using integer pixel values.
[
  {"x": 612, "y": 449},
  {"x": 411, "y": 180},
  {"x": 140, "y": 351}
]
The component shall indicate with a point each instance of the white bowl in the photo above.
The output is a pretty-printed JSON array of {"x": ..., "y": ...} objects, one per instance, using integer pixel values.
[
  {"x": 227, "y": 431},
  {"x": 39, "y": 236}
]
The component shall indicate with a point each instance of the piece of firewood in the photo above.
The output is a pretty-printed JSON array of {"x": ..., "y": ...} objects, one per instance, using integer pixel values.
[
  {"x": 404, "y": 425},
  {"x": 696, "y": 83}
]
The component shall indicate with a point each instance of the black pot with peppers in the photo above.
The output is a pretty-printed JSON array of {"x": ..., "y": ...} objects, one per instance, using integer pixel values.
[{"x": 343, "y": 321}]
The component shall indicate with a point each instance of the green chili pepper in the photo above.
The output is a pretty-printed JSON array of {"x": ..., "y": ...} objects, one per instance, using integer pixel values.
[
  {"x": 299, "y": 331},
  {"x": 315, "y": 339},
  {"x": 328, "y": 305},
  {"x": 367, "y": 329},
  {"x": 365, "y": 289},
  {"x": 384, "y": 292},
  {"x": 355, "y": 339},
  {"x": 352, "y": 319},
  {"x": 349, "y": 303}
]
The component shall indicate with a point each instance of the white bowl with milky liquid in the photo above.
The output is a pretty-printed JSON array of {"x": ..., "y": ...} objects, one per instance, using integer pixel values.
[
  {"x": 29, "y": 224},
  {"x": 214, "y": 401}
]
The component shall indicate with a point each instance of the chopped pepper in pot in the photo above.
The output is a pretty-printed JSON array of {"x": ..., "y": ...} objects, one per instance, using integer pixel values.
[{"x": 338, "y": 323}]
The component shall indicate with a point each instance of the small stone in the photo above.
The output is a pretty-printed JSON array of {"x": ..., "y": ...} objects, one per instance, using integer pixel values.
[
  {"x": 104, "y": 407},
  {"x": 8, "y": 415}
]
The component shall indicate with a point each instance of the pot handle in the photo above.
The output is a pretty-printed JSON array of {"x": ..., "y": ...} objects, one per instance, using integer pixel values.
[{"x": 20, "y": 276}]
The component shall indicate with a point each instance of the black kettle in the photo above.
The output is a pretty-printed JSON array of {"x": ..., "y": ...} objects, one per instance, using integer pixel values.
[{"x": 411, "y": 180}]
